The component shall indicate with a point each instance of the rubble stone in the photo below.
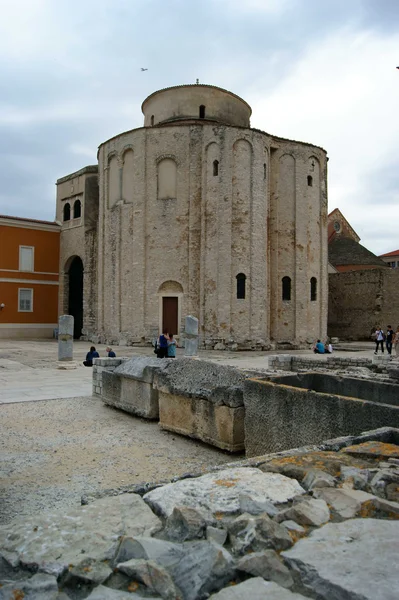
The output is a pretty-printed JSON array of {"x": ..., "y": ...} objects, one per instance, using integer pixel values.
[
  {"x": 266, "y": 564},
  {"x": 256, "y": 588},
  {"x": 310, "y": 511},
  {"x": 254, "y": 534}
]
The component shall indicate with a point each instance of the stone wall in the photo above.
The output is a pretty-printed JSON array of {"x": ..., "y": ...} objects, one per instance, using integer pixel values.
[
  {"x": 361, "y": 300},
  {"x": 287, "y": 362},
  {"x": 99, "y": 366}
]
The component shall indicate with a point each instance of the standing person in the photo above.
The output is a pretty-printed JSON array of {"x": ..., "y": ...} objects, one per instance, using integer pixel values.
[
  {"x": 110, "y": 352},
  {"x": 389, "y": 340},
  {"x": 90, "y": 355},
  {"x": 171, "y": 346},
  {"x": 396, "y": 341},
  {"x": 163, "y": 345},
  {"x": 379, "y": 339}
]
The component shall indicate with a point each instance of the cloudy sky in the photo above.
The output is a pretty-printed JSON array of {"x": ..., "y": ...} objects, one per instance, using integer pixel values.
[{"x": 321, "y": 71}]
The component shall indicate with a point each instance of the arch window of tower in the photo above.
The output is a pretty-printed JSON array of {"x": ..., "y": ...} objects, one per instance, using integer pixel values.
[
  {"x": 152, "y": 120},
  {"x": 215, "y": 168},
  {"x": 77, "y": 209},
  {"x": 241, "y": 281},
  {"x": 202, "y": 112},
  {"x": 67, "y": 212},
  {"x": 310, "y": 181},
  {"x": 313, "y": 289},
  {"x": 286, "y": 289}
]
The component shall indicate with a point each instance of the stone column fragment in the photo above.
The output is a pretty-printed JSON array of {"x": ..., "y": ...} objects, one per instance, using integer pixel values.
[
  {"x": 65, "y": 342},
  {"x": 191, "y": 336}
]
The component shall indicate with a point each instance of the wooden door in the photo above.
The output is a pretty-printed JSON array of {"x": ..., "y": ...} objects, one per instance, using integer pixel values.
[{"x": 170, "y": 314}]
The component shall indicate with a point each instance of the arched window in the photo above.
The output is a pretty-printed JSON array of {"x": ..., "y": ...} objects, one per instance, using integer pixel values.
[
  {"x": 264, "y": 170},
  {"x": 215, "y": 168},
  {"x": 241, "y": 286},
  {"x": 77, "y": 209},
  {"x": 152, "y": 120},
  {"x": 313, "y": 289},
  {"x": 286, "y": 288},
  {"x": 310, "y": 180},
  {"x": 202, "y": 112},
  {"x": 67, "y": 211},
  {"x": 167, "y": 179}
]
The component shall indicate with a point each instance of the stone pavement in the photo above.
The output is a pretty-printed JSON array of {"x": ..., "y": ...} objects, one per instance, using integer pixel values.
[{"x": 28, "y": 369}]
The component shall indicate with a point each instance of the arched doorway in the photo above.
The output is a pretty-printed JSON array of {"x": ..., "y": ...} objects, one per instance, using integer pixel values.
[
  {"x": 170, "y": 295},
  {"x": 75, "y": 295}
]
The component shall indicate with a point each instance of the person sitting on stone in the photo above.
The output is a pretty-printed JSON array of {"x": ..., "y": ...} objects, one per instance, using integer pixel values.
[
  {"x": 110, "y": 352},
  {"x": 90, "y": 355},
  {"x": 319, "y": 348},
  {"x": 328, "y": 349}
]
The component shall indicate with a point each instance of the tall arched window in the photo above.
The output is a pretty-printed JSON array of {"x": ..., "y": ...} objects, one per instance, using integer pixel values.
[
  {"x": 264, "y": 170},
  {"x": 286, "y": 288},
  {"x": 202, "y": 112},
  {"x": 167, "y": 179},
  {"x": 310, "y": 180},
  {"x": 67, "y": 211},
  {"x": 215, "y": 168},
  {"x": 313, "y": 289},
  {"x": 77, "y": 209},
  {"x": 241, "y": 278},
  {"x": 152, "y": 120}
]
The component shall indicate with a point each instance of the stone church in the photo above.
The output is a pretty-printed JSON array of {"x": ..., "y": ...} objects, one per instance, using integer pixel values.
[{"x": 197, "y": 213}]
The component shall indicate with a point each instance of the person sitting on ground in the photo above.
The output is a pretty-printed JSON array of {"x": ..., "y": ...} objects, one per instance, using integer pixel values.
[
  {"x": 171, "y": 346},
  {"x": 162, "y": 351},
  {"x": 110, "y": 352},
  {"x": 90, "y": 355},
  {"x": 319, "y": 348},
  {"x": 328, "y": 347}
]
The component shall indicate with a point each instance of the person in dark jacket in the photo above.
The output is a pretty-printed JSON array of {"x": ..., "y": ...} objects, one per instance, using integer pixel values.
[
  {"x": 110, "y": 352},
  {"x": 90, "y": 355},
  {"x": 389, "y": 339},
  {"x": 163, "y": 345}
]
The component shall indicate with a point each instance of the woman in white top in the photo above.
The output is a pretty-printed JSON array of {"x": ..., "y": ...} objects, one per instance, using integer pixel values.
[{"x": 379, "y": 339}]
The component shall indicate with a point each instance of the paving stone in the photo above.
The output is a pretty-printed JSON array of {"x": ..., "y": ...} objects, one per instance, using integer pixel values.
[
  {"x": 346, "y": 503},
  {"x": 310, "y": 511},
  {"x": 217, "y": 494},
  {"x": 53, "y": 541},
  {"x": 250, "y": 533},
  {"x": 266, "y": 564},
  {"x": 185, "y": 523},
  {"x": 316, "y": 478},
  {"x": 155, "y": 577},
  {"x": 39, "y": 587},
  {"x": 354, "y": 559},
  {"x": 256, "y": 588}
]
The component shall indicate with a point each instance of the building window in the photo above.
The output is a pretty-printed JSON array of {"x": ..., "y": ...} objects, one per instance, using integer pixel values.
[
  {"x": 215, "y": 168},
  {"x": 241, "y": 278},
  {"x": 26, "y": 258},
  {"x": 313, "y": 289},
  {"x": 67, "y": 211},
  {"x": 167, "y": 179},
  {"x": 202, "y": 112},
  {"x": 77, "y": 209},
  {"x": 286, "y": 288},
  {"x": 25, "y": 300},
  {"x": 152, "y": 120},
  {"x": 337, "y": 226},
  {"x": 310, "y": 180},
  {"x": 264, "y": 170}
]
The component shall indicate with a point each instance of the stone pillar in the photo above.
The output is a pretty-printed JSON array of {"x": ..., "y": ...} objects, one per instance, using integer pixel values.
[
  {"x": 65, "y": 342},
  {"x": 191, "y": 336}
]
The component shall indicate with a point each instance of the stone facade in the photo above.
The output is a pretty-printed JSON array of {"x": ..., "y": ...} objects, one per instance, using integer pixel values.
[{"x": 200, "y": 214}]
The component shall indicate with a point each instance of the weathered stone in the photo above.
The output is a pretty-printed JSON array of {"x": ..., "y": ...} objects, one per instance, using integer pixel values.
[
  {"x": 256, "y": 588},
  {"x": 292, "y": 526},
  {"x": 164, "y": 553},
  {"x": 65, "y": 340},
  {"x": 39, "y": 587},
  {"x": 354, "y": 477},
  {"x": 315, "y": 478},
  {"x": 392, "y": 492},
  {"x": 266, "y": 564},
  {"x": 256, "y": 505},
  {"x": 56, "y": 540},
  {"x": 254, "y": 534},
  {"x": 91, "y": 571},
  {"x": 191, "y": 326},
  {"x": 381, "y": 479},
  {"x": 185, "y": 523},
  {"x": 191, "y": 346},
  {"x": 353, "y": 559},
  {"x": 310, "y": 511},
  {"x": 105, "y": 593},
  {"x": 346, "y": 503},
  {"x": 215, "y": 534},
  {"x": 155, "y": 577},
  {"x": 373, "y": 449},
  {"x": 218, "y": 493}
]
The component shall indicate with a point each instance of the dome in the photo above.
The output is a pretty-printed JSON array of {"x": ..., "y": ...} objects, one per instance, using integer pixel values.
[{"x": 195, "y": 102}]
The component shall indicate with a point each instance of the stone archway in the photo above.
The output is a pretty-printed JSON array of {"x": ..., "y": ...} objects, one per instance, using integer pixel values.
[
  {"x": 170, "y": 298},
  {"x": 74, "y": 297}
]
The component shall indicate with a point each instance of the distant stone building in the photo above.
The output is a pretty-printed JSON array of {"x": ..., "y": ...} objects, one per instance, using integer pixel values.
[
  {"x": 197, "y": 213},
  {"x": 391, "y": 259}
]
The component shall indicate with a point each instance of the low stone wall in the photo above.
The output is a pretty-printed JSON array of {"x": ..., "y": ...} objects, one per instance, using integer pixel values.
[
  {"x": 288, "y": 362},
  {"x": 99, "y": 366},
  {"x": 278, "y": 417}
]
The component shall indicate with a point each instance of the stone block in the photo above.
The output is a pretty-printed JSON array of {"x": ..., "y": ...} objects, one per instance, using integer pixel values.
[{"x": 191, "y": 326}]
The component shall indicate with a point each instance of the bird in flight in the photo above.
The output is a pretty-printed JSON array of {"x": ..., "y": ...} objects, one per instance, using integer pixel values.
[{"x": 143, "y": 69}]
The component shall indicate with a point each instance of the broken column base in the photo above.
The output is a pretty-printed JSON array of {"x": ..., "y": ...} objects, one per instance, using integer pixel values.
[{"x": 66, "y": 365}]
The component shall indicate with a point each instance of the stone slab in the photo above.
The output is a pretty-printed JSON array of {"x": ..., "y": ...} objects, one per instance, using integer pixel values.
[
  {"x": 191, "y": 326},
  {"x": 256, "y": 588},
  {"x": 219, "y": 493},
  {"x": 354, "y": 559},
  {"x": 142, "y": 368}
]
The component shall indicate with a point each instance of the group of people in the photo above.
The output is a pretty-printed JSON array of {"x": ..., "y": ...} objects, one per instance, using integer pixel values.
[
  {"x": 320, "y": 348},
  {"x": 391, "y": 339},
  {"x": 94, "y": 354},
  {"x": 165, "y": 346}
]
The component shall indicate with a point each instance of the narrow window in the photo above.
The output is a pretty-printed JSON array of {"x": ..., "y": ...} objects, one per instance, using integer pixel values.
[
  {"x": 264, "y": 171},
  {"x": 67, "y": 212},
  {"x": 25, "y": 300},
  {"x": 152, "y": 120},
  {"x": 286, "y": 281},
  {"x": 313, "y": 289},
  {"x": 310, "y": 180},
  {"x": 215, "y": 168},
  {"x": 241, "y": 278},
  {"x": 77, "y": 209},
  {"x": 26, "y": 258},
  {"x": 202, "y": 112}
]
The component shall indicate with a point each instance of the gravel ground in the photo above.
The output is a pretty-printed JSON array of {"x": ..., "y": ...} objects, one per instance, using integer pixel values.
[{"x": 53, "y": 451}]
